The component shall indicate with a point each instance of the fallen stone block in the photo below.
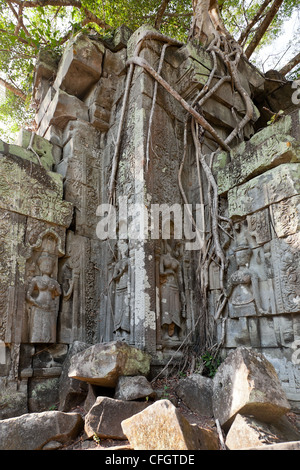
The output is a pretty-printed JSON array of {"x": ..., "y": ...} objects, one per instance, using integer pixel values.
[
  {"x": 71, "y": 391},
  {"x": 103, "y": 363},
  {"x": 133, "y": 388},
  {"x": 161, "y": 426},
  {"x": 247, "y": 383},
  {"x": 105, "y": 417},
  {"x": 281, "y": 446},
  {"x": 33, "y": 431},
  {"x": 196, "y": 393},
  {"x": 12, "y": 401},
  {"x": 247, "y": 431}
]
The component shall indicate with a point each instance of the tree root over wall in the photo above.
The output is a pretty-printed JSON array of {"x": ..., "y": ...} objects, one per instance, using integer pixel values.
[{"x": 230, "y": 53}]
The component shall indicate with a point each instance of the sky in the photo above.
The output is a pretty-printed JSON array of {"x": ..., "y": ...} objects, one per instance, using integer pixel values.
[{"x": 276, "y": 55}]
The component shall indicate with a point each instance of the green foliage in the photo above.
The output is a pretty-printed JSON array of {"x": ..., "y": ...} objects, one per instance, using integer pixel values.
[
  {"x": 210, "y": 363},
  {"x": 49, "y": 27},
  {"x": 14, "y": 114},
  {"x": 275, "y": 117},
  {"x": 166, "y": 394},
  {"x": 97, "y": 439}
]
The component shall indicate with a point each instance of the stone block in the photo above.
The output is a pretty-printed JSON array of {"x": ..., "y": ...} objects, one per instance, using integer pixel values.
[
  {"x": 54, "y": 135},
  {"x": 281, "y": 446},
  {"x": 161, "y": 426},
  {"x": 31, "y": 190},
  {"x": 44, "y": 105},
  {"x": 45, "y": 70},
  {"x": 247, "y": 431},
  {"x": 115, "y": 62},
  {"x": 251, "y": 161},
  {"x": 236, "y": 332},
  {"x": 99, "y": 117},
  {"x": 13, "y": 402},
  {"x": 247, "y": 383},
  {"x": 71, "y": 391},
  {"x": 23, "y": 153},
  {"x": 102, "y": 93},
  {"x": 120, "y": 38},
  {"x": 133, "y": 388},
  {"x": 272, "y": 186},
  {"x": 196, "y": 392},
  {"x": 286, "y": 268},
  {"x": 219, "y": 115},
  {"x": 62, "y": 109},
  {"x": 106, "y": 415},
  {"x": 135, "y": 38},
  {"x": 80, "y": 67},
  {"x": 85, "y": 138},
  {"x": 43, "y": 392},
  {"x": 41, "y": 146},
  {"x": 284, "y": 126},
  {"x": 103, "y": 363},
  {"x": 286, "y": 216},
  {"x": 34, "y": 430}
]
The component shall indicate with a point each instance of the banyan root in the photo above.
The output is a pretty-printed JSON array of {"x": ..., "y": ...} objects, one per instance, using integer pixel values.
[{"x": 230, "y": 53}]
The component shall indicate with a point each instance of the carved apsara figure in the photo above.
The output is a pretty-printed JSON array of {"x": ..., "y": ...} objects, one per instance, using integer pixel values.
[
  {"x": 243, "y": 286},
  {"x": 171, "y": 307},
  {"x": 42, "y": 296},
  {"x": 120, "y": 277}
]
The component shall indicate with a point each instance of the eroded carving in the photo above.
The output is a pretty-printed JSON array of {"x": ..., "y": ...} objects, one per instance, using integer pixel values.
[
  {"x": 42, "y": 296},
  {"x": 172, "y": 311},
  {"x": 43, "y": 289},
  {"x": 243, "y": 286},
  {"x": 122, "y": 307}
]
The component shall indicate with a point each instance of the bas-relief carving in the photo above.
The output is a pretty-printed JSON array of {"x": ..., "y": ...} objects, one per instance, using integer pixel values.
[
  {"x": 116, "y": 319},
  {"x": 43, "y": 291},
  {"x": 71, "y": 324},
  {"x": 121, "y": 278},
  {"x": 270, "y": 319},
  {"x": 172, "y": 301},
  {"x": 286, "y": 261},
  {"x": 281, "y": 331},
  {"x": 243, "y": 290}
]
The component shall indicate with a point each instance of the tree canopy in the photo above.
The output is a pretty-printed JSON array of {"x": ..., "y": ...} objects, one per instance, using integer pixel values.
[{"x": 28, "y": 26}]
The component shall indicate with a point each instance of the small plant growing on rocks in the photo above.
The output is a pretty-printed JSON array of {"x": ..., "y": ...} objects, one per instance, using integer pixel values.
[
  {"x": 96, "y": 438},
  {"x": 210, "y": 363}
]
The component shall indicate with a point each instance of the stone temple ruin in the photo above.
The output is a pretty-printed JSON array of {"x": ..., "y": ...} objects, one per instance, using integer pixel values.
[{"x": 72, "y": 180}]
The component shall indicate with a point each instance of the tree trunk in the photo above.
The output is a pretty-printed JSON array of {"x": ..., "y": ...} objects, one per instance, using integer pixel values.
[
  {"x": 207, "y": 21},
  {"x": 263, "y": 27},
  {"x": 290, "y": 65},
  {"x": 160, "y": 13},
  {"x": 245, "y": 33},
  {"x": 13, "y": 89}
]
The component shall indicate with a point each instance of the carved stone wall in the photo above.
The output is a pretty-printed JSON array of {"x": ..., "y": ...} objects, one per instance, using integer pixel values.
[
  {"x": 139, "y": 285},
  {"x": 259, "y": 180},
  {"x": 34, "y": 218}
]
